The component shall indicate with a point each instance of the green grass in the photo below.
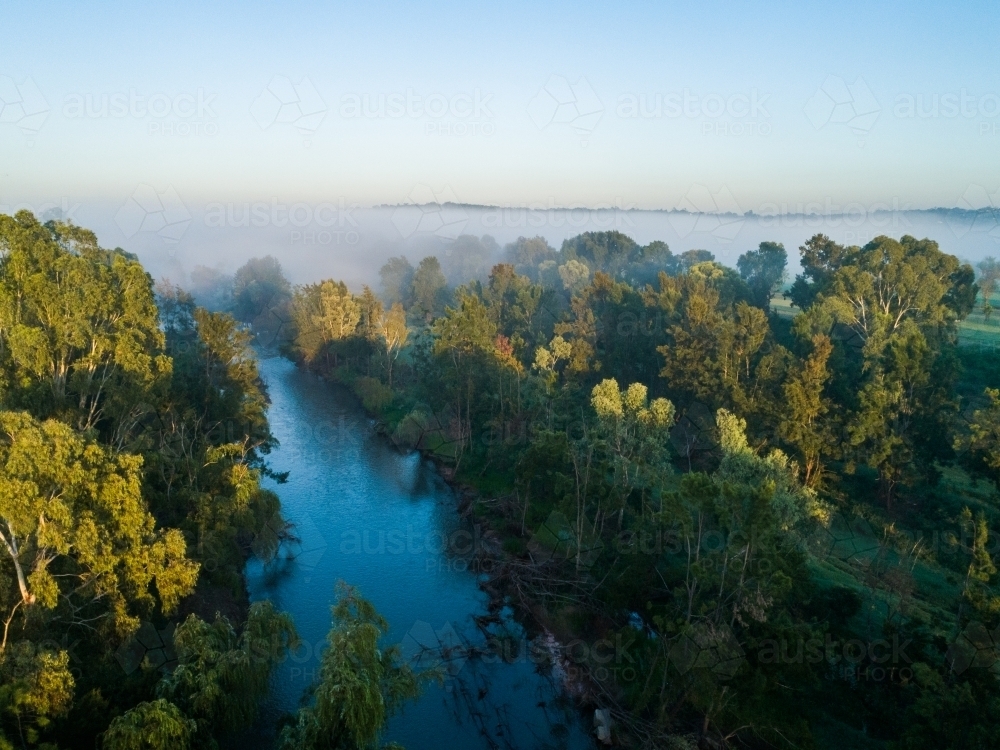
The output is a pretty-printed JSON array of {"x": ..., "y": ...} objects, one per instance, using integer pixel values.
[{"x": 974, "y": 331}]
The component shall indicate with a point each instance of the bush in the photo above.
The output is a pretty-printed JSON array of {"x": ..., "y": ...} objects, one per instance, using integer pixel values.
[{"x": 373, "y": 393}]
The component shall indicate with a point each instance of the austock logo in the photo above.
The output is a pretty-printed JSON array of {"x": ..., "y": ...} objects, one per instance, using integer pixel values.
[
  {"x": 708, "y": 647},
  {"x": 839, "y": 103},
  {"x": 446, "y": 651},
  {"x": 875, "y": 660},
  {"x": 704, "y": 211},
  {"x": 974, "y": 647},
  {"x": 148, "y": 646},
  {"x": 182, "y": 114},
  {"x": 557, "y": 540},
  {"x": 574, "y": 105},
  {"x": 147, "y": 210},
  {"x": 431, "y": 212},
  {"x": 297, "y": 104},
  {"x": 23, "y": 105}
]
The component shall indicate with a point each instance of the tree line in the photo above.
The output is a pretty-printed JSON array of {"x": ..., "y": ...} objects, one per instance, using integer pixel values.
[
  {"x": 133, "y": 442},
  {"x": 621, "y": 409}
]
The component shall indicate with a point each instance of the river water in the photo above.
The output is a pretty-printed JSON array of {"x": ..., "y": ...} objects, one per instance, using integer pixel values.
[{"x": 386, "y": 523}]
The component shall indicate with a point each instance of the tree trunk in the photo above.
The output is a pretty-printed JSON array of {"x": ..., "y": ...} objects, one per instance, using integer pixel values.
[{"x": 26, "y": 596}]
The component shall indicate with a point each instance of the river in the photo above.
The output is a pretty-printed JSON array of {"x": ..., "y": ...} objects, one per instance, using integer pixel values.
[{"x": 386, "y": 523}]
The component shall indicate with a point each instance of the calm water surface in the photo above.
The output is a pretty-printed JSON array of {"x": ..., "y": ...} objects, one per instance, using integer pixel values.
[{"x": 377, "y": 519}]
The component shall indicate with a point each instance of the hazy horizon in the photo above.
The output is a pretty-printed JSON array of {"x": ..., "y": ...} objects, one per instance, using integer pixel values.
[
  {"x": 349, "y": 242},
  {"x": 540, "y": 105}
]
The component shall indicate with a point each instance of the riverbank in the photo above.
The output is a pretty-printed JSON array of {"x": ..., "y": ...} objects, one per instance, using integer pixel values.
[
  {"x": 375, "y": 517},
  {"x": 509, "y": 573}
]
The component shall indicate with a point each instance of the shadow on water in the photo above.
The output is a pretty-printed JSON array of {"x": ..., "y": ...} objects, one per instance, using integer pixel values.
[{"x": 384, "y": 522}]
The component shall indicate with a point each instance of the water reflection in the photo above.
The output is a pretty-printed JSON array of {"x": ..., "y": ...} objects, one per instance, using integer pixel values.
[{"x": 386, "y": 523}]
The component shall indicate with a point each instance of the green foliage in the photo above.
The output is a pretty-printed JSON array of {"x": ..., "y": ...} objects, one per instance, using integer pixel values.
[
  {"x": 470, "y": 258},
  {"x": 259, "y": 286},
  {"x": 152, "y": 725},
  {"x": 131, "y": 422},
  {"x": 222, "y": 677},
  {"x": 35, "y": 687},
  {"x": 78, "y": 327},
  {"x": 635, "y": 431},
  {"x": 429, "y": 287},
  {"x": 211, "y": 288},
  {"x": 360, "y": 684},
  {"x": 984, "y": 438},
  {"x": 206, "y": 447},
  {"x": 397, "y": 281},
  {"x": 989, "y": 275},
  {"x": 718, "y": 353},
  {"x": 676, "y": 467},
  {"x": 77, "y": 530},
  {"x": 764, "y": 270},
  {"x": 373, "y": 393},
  {"x": 527, "y": 256}
]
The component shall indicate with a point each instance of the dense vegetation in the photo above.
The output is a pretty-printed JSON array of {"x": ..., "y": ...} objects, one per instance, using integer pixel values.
[
  {"x": 770, "y": 508},
  {"x": 782, "y": 516},
  {"x": 133, "y": 438}
]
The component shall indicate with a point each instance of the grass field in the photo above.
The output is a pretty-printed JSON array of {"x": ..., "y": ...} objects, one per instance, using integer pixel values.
[{"x": 915, "y": 570}]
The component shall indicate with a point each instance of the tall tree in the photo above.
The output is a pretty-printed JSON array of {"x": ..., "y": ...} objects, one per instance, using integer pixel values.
[
  {"x": 78, "y": 327},
  {"x": 222, "y": 676},
  {"x": 805, "y": 425},
  {"x": 763, "y": 269},
  {"x": 77, "y": 531},
  {"x": 326, "y": 314},
  {"x": 989, "y": 275},
  {"x": 394, "y": 334},
  {"x": 636, "y": 432},
  {"x": 36, "y": 688},
  {"x": 361, "y": 683},
  {"x": 720, "y": 350},
  {"x": 469, "y": 258},
  {"x": 260, "y": 286},
  {"x": 526, "y": 255},
  {"x": 983, "y": 440},
  {"x": 898, "y": 302},
  {"x": 151, "y": 725},
  {"x": 428, "y": 287},
  {"x": 397, "y": 281},
  {"x": 371, "y": 310}
]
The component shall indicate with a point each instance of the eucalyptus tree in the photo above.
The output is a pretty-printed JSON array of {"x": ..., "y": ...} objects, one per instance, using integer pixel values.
[
  {"x": 989, "y": 275},
  {"x": 394, "y": 333},
  {"x": 635, "y": 432},
  {"x": 397, "y": 281},
  {"x": 79, "y": 333},
  {"x": 719, "y": 349},
  {"x": 428, "y": 287},
  {"x": 78, "y": 534},
  {"x": 763, "y": 269},
  {"x": 326, "y": 314},
  {"x": 222, "y": 676},
  {"x": 361, "y": 683},
  {"x": 896, "y": 303},
  {"x": 808, "y": 423},
  {"x": 259, "y": 285},
  {"x": 150, "y": 725}
]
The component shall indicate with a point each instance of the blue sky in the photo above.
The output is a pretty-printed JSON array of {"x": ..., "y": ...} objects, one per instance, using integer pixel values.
[{"x": 781, "y": 103}]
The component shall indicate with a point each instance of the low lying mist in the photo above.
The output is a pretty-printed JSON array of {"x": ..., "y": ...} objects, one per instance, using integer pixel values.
[{"x": 335, "y": 239}]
